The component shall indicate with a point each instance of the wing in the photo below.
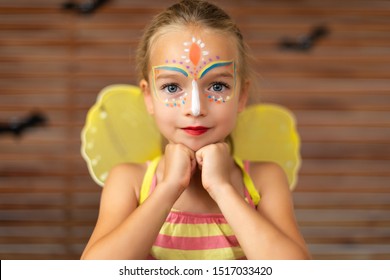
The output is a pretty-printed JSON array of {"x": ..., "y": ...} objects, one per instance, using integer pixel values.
[
  {"x": 118, "y": 129},
  {"x": 267, "y": 132}
]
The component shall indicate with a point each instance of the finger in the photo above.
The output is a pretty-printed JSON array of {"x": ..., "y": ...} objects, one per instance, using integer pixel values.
[
  {"x": 192, "y": 158},
  {"x": 199, "y": 158},
  {"x": 193, "y": 165}
]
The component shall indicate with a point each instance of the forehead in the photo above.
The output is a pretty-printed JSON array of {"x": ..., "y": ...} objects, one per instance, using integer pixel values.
[{"x": 191, "y": 47}]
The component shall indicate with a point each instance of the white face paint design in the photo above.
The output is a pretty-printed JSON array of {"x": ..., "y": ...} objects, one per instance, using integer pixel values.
[{"x": 195, "y": 104}]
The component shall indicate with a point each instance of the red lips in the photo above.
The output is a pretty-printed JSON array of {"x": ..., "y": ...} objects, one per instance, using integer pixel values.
[{"x": 196, "y": 130}]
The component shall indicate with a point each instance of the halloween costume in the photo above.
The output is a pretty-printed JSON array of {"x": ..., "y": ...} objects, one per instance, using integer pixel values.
[{"x": 119, "y": 129}]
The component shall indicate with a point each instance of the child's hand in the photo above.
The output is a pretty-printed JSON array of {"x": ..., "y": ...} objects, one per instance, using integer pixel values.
[
  {"x": 179, "y": 165},
  {"x": 216, "y": 163}
]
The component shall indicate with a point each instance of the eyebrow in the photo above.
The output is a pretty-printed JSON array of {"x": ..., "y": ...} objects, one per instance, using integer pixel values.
[
  {"x": 219, "y": 75},
  {"x": 172, "y": 68},
  {"x": 213, "y": 65}
]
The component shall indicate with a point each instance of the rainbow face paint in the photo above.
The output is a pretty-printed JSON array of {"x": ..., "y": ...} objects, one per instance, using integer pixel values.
[{"x": 196, "y": 73}]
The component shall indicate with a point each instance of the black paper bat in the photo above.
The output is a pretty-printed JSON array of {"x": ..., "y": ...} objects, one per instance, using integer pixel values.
[
  {"x": 17, "y": 128},
  {"x": 87, "y": 7},
  {"x": 305, "y": 42}
]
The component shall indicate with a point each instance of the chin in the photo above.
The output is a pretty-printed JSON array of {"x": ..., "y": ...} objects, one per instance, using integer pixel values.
[
  {"x": 192, "y": 146},
  {"x": 195, "y": 148},
  {"x": 197, "y": 145}
]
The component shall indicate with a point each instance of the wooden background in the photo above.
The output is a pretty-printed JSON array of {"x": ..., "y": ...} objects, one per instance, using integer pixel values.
[{"x": 56, "y": 61}]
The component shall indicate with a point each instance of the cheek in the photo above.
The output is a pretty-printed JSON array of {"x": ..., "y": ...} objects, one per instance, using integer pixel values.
[
  {"x": 226, "y": 114},
  {"x": 162, "y": 110},
  {"x": 164, "y": 116}
]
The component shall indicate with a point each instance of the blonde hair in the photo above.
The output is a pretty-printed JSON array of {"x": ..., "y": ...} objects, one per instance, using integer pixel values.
[{"x": 192, "y": 13}]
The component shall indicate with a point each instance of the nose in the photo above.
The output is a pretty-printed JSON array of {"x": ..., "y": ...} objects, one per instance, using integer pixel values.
[
  {"x": 198, "y": 106},
  {"x": 195, "y": 102}
]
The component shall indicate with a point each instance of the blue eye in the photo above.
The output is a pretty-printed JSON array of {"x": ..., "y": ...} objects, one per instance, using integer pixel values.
[
  {"x": 170, "y": 88},
  {"x": 219, "y": 87}
]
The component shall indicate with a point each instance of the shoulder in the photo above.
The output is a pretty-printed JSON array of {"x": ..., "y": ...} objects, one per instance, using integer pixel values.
[
  {"x": 118, "y": 199},
  {"x": 120, "y": 193},
  {"x": 268, "y": 177},
  {"x": 125, "y": 178}
]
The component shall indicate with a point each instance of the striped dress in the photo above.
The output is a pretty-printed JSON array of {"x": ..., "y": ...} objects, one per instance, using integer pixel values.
[{"x": 196, "y": 236}]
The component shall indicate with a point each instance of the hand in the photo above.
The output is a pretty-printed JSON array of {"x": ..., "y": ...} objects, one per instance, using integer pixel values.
[
  {"x": 179, "y": 166},
  {"x": 216, "y": 164}
]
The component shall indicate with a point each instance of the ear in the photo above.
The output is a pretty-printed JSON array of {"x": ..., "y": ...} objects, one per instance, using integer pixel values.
[
  {"x": 244, "y": 94},
  {"x": 148, "y": 98}
]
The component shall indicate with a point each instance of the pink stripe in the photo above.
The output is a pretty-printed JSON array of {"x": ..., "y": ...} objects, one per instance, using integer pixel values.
[
  {"x": 249, "y": 198},
  {"x": 196, "y": 243},
  {"x": 195, "y": 218},
  {"x": 150, "y": 257}
]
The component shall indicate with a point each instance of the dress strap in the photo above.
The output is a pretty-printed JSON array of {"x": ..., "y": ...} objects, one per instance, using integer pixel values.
[
  {"x": 250, "y": 187},
  {"x": 148, "y": 179}
]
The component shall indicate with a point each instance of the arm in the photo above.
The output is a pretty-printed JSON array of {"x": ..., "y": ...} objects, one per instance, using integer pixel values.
[
  {"x": 125, "y": 230},
  {"x": 270, "y": 232}
]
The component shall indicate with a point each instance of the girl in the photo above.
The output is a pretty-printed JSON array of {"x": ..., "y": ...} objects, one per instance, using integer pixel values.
[{"x": 196, "y": 201}]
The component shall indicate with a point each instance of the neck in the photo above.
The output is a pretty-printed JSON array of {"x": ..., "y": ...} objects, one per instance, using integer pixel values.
[{"x": 196, "y": 179}]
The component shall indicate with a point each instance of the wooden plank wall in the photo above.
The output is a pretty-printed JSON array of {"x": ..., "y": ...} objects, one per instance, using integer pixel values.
[{"x": 56, "y": 62}]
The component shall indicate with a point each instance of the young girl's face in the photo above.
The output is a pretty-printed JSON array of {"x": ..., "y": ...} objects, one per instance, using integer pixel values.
[{"x": 194, "y": 90}]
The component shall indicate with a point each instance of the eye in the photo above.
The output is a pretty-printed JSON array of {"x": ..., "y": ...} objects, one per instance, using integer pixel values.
[
  {"x": 219, "y": 87},
  {"x": 170, "y": 88}
]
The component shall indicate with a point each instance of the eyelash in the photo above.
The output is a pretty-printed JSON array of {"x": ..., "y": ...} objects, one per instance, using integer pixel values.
[
  {"x": 220, "y": 83},
  {"x": 165, "y": 86}
]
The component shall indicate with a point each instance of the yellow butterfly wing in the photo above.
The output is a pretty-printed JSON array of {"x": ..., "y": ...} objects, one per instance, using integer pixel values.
[
  {"x": 267, "y": 132},
  {"x": 118, "y": 129}
]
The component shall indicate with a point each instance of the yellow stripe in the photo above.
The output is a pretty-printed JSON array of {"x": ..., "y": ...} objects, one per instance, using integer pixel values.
[
  {"x": 212, "y": 254},
  {"x": 196, "y": 230},
  {"x": 147, "y": 181},
  {"x": 248, "y": 182}
]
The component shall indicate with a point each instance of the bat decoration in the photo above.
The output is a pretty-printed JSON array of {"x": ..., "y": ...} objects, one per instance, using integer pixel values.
[
  {"x": 17, "y": 128},
  {"x": 305, "y": 42},
  {"x": 87, "y": 7}
]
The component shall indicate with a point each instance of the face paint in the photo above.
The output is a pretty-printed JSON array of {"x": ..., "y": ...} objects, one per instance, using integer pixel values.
[
  {"x": 173, "y": 81},
  {"x": 195, "y": 105}
]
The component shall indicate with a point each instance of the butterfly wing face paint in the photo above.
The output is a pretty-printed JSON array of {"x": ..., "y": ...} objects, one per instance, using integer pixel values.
[
  {"x": 169, "y": 84},
  {"x": 226, "y": 71},
  {"x": 196, "y": 73}
]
